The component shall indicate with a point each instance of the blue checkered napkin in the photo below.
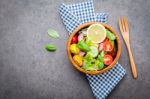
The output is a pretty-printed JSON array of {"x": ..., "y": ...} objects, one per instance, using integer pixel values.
[
  {"x": 103, "y": 84},
  {"x": 76, "y": 14}
]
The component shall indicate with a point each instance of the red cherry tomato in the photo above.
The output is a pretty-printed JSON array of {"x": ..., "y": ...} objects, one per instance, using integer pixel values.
[
  {"x": 112, "y": 53},
  {"x": 74, "y": 39},
  {"x": 108, "y": 59},
  {"x": 107, "y": 46}
]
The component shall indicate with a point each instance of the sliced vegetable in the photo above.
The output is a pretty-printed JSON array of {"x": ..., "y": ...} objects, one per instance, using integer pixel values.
[
  {"x": 50, "y": 47},
  {"x": 110, "y": 35},
  {"x": 74, "y": 49},
  {"x": 96, "y": 33},
  {"x": 101, "y": 45},
  {"x": 74, "y": 39},
  {"x": 107, "y": 46},
  {"x": 53, "y": 33},
  {"x": 78, "y": 59},
  {"x": 80, "y": 37},
  {"x": 83, "y": 46},
  {"x": 81, "y": 53},
  {"x": 94, "y": 51},
  {"x": 108, "y": 59}
]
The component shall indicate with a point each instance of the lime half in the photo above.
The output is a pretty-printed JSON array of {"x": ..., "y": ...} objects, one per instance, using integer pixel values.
[{"x": 96, "y": 33}]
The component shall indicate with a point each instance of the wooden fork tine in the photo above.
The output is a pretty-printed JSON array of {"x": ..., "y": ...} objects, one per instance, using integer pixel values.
[
  {"x": 123, "y": 24},
  {"x": 120, "y": 25},
  {"x": 126, "y": 24}
]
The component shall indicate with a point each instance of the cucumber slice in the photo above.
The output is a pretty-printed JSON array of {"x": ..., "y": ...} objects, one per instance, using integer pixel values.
[{"x": 94, "y": 51}]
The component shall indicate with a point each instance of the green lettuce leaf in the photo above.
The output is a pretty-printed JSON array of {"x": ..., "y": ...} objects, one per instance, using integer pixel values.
[
  {"x": 110, "y": 35},
  {"x": 83, "y": 46}
]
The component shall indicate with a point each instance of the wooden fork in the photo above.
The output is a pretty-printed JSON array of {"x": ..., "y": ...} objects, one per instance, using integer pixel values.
[{"x": 123, "y": 24}]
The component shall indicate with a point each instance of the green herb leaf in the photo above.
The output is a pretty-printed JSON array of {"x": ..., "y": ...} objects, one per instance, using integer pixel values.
[
  {"x": 53, "y": 33},
  {"x": 89, "y": 66},
  {"x": 100, "y": 58},
  {"x": 83, "y": 46},
  {"x": 112, "y": 42},
  {"x": 100, "y": 65},
  {"x": 50, "y": 47},
  {"x": 90, "y": 43},
  {"x": 110, "y": 35}
]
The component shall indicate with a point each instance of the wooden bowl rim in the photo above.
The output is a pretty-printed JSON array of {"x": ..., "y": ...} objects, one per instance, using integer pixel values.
[{"x": 99, "y": 71}]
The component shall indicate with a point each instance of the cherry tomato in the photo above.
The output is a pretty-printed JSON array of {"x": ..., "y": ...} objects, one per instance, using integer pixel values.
[
  {"x": 108, "y": 59},
  {"x": 112, "y": 53},
  {"x": 101, "y": 45},
  {"x": 107, "y": 46},
  {"x": 74, "y": 39}
]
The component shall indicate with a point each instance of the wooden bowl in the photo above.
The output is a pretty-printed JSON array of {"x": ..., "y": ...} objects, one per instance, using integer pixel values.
[{"x": 99, "y": 71}]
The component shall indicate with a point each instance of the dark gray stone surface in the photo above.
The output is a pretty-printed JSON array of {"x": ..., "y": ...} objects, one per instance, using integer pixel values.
[{"x": 28, "y": 71}]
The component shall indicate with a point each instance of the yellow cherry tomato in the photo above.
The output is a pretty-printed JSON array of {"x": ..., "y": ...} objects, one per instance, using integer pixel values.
[
  {"x": 74, "y": 49},
  {"x": 78, "y": 59}
]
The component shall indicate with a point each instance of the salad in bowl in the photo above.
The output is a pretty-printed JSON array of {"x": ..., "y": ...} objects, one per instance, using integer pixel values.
[{"x": 94, "y": 48}]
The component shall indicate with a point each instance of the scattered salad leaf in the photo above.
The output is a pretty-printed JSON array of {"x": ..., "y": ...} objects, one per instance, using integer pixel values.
[
  {"x": 110, "y": 35},
  {"x": 89, "y": 66},
  {"x": 112, "y": 42},
  {"x": 83, "y": 46},
  {"x": 100, "y": 58},
  {"x": 50, "y": 47},
  {"x": 53, "y": 33},
  {"x": 88, "y": 58},
  {"x": 99, "y": 65},
  {"x": 90, "y": 43}
]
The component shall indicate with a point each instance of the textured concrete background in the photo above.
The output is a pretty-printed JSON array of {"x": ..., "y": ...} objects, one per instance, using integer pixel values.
[{"x": 28, "y": 71}]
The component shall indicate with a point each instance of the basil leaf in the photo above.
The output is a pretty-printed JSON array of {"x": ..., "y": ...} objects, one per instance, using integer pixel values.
[
  {"x": 50, "y": 47},
  {"x": 53, "y": 33}
]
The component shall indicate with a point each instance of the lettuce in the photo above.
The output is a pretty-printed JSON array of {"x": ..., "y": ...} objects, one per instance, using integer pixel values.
[
  {"x": 83, "y": 46},
  {"x": 110, "y": 35}
]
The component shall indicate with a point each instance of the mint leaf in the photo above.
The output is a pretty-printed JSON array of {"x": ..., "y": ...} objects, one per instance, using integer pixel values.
[{"x": 53, "y": 33}]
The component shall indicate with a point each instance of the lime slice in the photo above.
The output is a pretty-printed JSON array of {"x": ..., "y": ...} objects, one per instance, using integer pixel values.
[
  {"x": 93, "y": 52},
  {"x": 96, "y": 33}
]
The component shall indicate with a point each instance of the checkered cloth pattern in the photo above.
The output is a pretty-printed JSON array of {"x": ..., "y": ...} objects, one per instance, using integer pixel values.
[{"x": 74, "y": 15}]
